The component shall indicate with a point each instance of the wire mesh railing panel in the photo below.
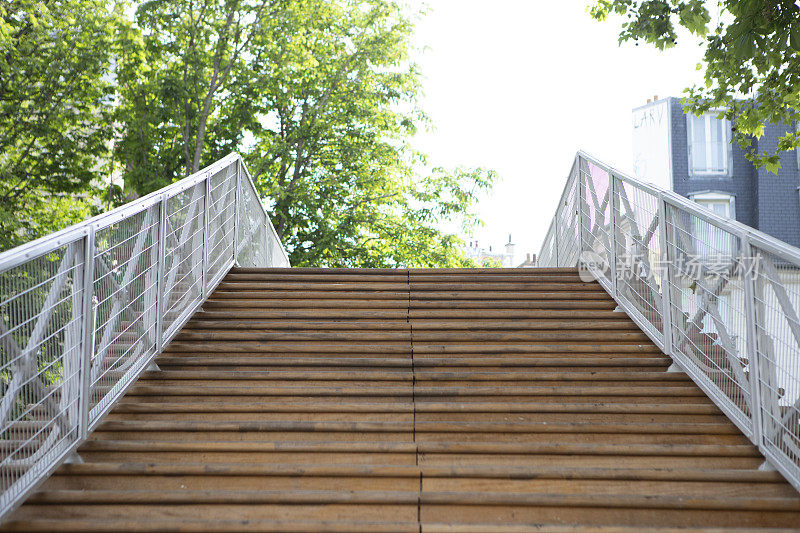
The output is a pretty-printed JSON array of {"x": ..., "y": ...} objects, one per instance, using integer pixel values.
[
  {"x": 595, "y": 217},
  {"x": 252, "y": 229},
  {"x": 75, "y": 333},
  {"x": 707, "y": 307},
  {"x": 548, "y": 253},
  {"x": 568, "y": 224},
  {"x": 722, "y": 299},
  {"x": 277, "y": 254},
  {"x": 183, "y": 257},
  {"x": 638, "y": 251},
  {"x": 41, "y": 339},
  {"x": 124, "y": 304},
  {"x": 221, "y": 221},
  {"x": 777, "y": 332}
]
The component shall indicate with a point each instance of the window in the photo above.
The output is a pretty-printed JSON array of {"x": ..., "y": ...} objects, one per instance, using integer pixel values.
[
  {"x": 708, "y": 145},
  {"x": 720, "y": 206}
]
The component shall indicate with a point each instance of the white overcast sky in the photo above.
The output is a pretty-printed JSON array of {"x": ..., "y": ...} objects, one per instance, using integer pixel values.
[{"x": 520, "y": 85}]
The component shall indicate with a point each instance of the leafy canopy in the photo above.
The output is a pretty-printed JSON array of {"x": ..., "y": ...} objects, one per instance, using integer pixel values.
[
  {"x": 176, "y": 82},
  {"x": 334, "y": 92},
  {"x": 321, "y": 97},
  {"x": 752, "y": 59},
  {"x": 55, "y": 96}
]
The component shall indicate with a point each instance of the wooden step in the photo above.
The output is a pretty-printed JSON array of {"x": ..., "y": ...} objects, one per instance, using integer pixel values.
[
  {"x": 447, "y": 454},
  {"x": 233, "y": 405},
  {"x": 260, "y": 295},
  {"x": 404, "y": 324},
  {"x": 419, "y": 289},
  {"x": 111, "y": 476},
  {"x": 422, "y": 374},
  {"x": 79, "y": 525},
  {"x": 579, "y": 362},
  {"x": 342, "y": 526},
  {"x": 395, "y": 505},
  {"x": 420, "y": 336}
]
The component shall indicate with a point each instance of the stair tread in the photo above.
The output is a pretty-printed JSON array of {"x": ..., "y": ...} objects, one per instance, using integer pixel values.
[
  {"x": 48, "y": 525},
  {"x": 413, "y": 471},
  {"x": 80, "y": 525},
  {"x": 256, "y": 497}
]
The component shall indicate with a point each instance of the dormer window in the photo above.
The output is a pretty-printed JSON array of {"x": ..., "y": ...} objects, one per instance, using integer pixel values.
[
  {"x": 709, "y": 145},
  {"x": 719, "y": 202}
]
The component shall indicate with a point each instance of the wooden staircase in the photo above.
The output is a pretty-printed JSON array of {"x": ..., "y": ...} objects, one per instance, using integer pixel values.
[{"x": 412, "y": 400}]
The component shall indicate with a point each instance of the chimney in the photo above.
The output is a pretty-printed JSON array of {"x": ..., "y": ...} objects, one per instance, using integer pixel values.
[
  {"x": 655, "y": 98},
  {"x": 648, "y": 100}
]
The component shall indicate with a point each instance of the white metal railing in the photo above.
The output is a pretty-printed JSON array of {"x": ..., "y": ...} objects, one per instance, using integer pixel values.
[
  {"x": 85, "y": 310},
  {"x": 721, "y": 298}
]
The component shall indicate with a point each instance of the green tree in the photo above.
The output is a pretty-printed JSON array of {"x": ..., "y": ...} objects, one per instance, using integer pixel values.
[
  {"x": 491, "y": 262},
  {"x": 321, "y": 97},
  {"x": 175, "y": 73},
  {"x": 752, "y": 59},
  {"x": 55, "y": 96},
  {"x": 336, "y": 90}
]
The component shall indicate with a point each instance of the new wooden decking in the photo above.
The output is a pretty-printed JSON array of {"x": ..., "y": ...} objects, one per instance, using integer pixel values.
[{"x": 421, "y": 400}]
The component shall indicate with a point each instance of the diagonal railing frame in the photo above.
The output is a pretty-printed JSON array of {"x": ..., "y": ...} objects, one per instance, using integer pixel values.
[
  {"x": 746, "y": 358},
  {"x": 84, "y": 311}
]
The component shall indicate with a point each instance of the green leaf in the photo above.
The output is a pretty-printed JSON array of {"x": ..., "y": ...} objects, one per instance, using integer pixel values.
[
  {"x": 794, "y": 37},
  {"x": 745, "y": 47},
  {"x": 772, "y": 164}
]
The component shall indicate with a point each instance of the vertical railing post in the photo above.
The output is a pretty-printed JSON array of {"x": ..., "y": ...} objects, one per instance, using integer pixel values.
[
  {"x": 206, "y": 243},
  {"x": 576, "y": 205},
  {"x": 237, "y": 197},
  {"x": 161, "y": 290},
  {"x": 612, "y": 184},
  {"x": 73, "y": 341},
  {"x": 748, "y": 268},
  {"x": 556, "y": 232},
  {"x": 267, "y": 254},
  {"x": 666, "y": 276},
  {"x": 584, "y": 227},
  {"x": 151, "y": 300},
  {"x": 87, "y": 344}
]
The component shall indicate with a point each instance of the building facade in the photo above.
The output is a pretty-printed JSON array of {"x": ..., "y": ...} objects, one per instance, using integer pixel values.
[{"x": 695, "y": 157}]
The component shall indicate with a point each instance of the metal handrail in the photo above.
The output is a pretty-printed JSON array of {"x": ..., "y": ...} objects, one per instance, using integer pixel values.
[
  {"x": 729, "y": 319},
  {"x": 85, "y": 310}
]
